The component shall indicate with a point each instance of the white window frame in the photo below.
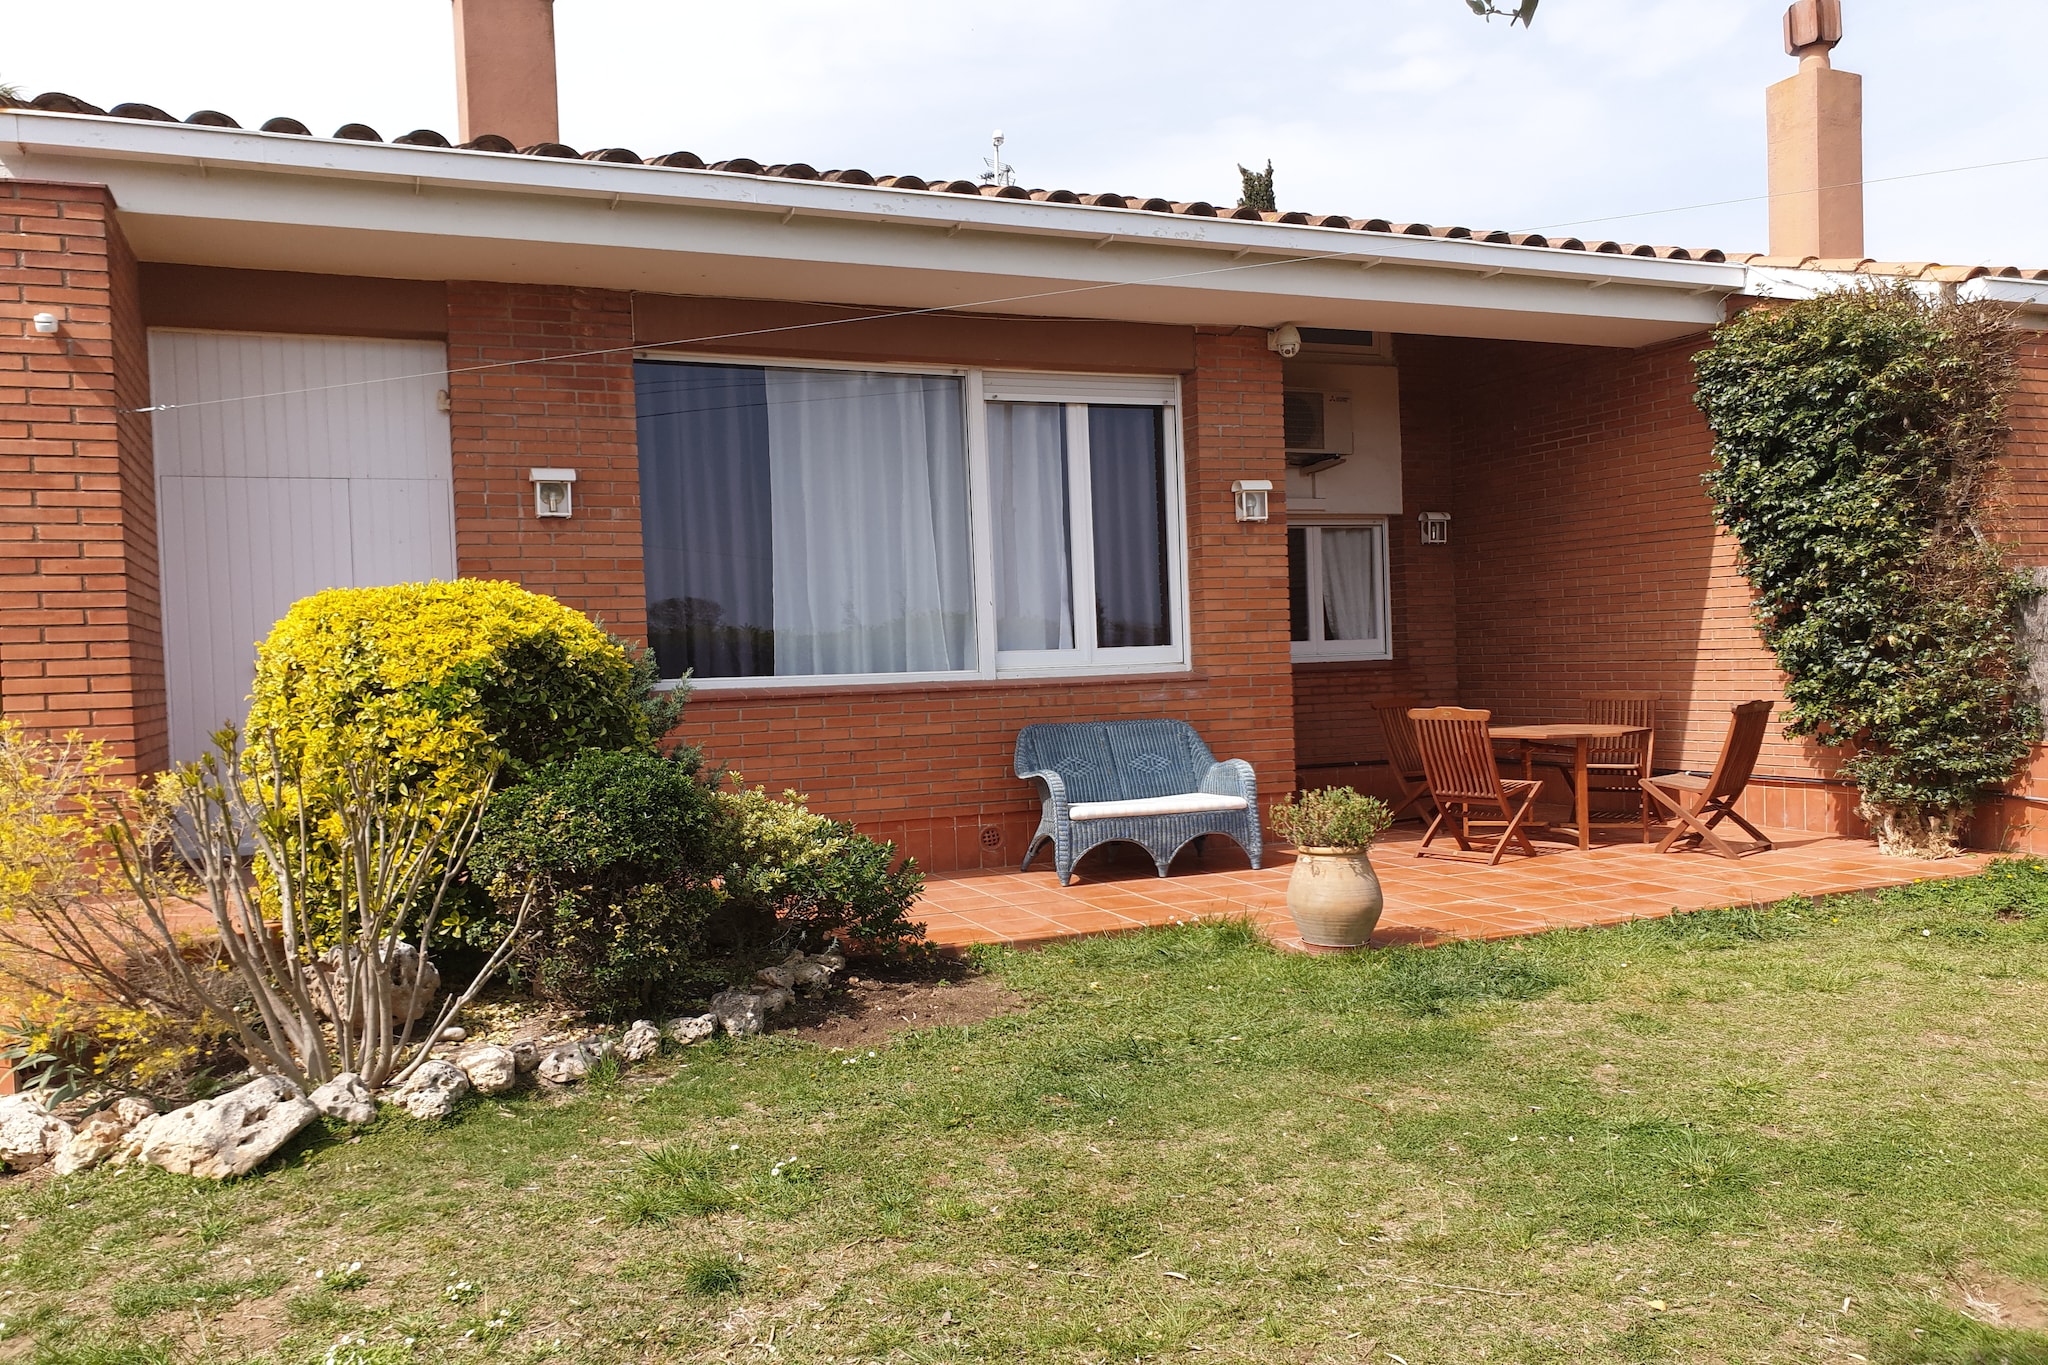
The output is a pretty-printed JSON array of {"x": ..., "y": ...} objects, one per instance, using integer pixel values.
[
  {"x": 1316, "y": 649},
  {"x": 979, "y": 387}
]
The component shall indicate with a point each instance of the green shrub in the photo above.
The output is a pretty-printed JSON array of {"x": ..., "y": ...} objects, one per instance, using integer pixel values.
[
  {"x": 443, "y": 681},
  {"x": 443, "y": 677},
  {"x": 815, "y": 877},
  {"x": 1333, "y": 817},
  {"x": 1855, "y": 435},
  {"x": 624, "y": 844}
]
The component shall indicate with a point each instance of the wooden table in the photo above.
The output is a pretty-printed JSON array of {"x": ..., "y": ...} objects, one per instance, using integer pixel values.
[{"x": 1581, "y": 737}]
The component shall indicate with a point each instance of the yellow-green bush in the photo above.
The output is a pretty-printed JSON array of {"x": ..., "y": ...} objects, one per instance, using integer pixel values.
[{"x": 443, "y": 680}]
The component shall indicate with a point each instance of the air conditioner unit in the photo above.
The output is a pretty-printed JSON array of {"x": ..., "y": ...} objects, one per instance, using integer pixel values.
[{"x": 1318, "y": 429}]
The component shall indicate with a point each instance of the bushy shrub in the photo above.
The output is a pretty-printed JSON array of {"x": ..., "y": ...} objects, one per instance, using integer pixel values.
[
  {"x": 99, "y": 1007},
  {"x": 816, "y": 877},
  {"x": 623, "y": 843},
  {"x": 1855, "y": 436},
  {"x": 444, "y": 678},
  {"x": 440, "y": 682}
]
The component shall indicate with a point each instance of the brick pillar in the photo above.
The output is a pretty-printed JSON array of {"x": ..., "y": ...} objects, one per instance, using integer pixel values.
[
  {"x": 81, "y": 644},
  {"x": 569, "y": 414},
  {"x": 1237, "y": 571}
]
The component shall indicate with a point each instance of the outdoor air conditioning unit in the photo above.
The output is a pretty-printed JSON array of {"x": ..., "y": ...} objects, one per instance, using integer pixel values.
[{"x": 1318, "y": 427}]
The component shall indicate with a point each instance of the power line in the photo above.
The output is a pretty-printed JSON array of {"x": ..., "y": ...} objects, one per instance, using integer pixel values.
[{"x": 1786, "y": 194}]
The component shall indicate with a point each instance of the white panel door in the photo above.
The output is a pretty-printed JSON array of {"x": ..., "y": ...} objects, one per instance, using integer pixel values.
[{"x": 296, "y": 464}]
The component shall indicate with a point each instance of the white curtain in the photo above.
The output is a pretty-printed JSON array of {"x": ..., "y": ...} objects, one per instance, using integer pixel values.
[
  {"x": 1350, "y": 596},
  {"x": 1027, "y": 455},
  {"x": 868, "y": 482}
]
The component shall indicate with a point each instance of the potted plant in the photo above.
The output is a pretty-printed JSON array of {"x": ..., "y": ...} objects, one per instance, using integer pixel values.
[{"x": 1333, "y": 894}]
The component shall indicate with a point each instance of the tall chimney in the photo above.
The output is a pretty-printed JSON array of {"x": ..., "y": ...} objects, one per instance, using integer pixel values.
[
  {"x": 505, "y": 70},
  {"x": 1816, "y": 134}
]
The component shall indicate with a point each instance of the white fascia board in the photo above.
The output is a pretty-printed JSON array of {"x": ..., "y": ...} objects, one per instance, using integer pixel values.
[
  {"x": 2029, "y": 298},
  {"x": 966, "y": 246}
]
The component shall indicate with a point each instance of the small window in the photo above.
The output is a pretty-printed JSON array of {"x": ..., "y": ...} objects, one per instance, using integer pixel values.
[{"x": 1337, "y": 591}]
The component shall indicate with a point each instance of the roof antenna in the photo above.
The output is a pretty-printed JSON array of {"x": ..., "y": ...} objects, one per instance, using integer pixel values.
[{"x": 999, "y": 173}]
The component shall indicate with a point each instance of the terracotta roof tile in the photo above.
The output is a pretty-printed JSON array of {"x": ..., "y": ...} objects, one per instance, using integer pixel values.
[
  {"x": 61, "y": 103},
  {"x": 1898, "y": 270}
]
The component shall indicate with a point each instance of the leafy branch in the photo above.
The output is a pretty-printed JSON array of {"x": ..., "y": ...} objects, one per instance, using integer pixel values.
[{"x": 1522, "y": 14}]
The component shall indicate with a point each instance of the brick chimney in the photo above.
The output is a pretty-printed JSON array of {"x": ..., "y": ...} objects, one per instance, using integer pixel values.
[
  {"x": 1816, "y": 135},
  {"x": 505, "y": 70}
]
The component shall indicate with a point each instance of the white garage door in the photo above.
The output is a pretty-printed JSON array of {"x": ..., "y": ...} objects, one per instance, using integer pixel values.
[{"x": 304, "y": 463}]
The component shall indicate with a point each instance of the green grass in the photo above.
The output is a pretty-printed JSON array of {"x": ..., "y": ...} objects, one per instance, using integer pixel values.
[{"x": 1791, "y": 1133}]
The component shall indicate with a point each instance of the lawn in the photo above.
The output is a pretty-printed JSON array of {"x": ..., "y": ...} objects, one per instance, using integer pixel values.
[{"x": 1807, "y": 1132}]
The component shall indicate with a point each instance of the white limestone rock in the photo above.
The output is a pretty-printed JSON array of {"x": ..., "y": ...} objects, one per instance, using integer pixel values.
[
  {"x": 739, "y": 1012},
  {"x": 491, "y": 1069},
  {"x": 29, "y": 1133},
  {"x": 431, "y": 1092},
  {"x": 525, "y": 1056},
  {"x": 783, "y": 976},
  {"x": 228, "y": 1135},
  {"x": 692, "y": 1028},
  {"x": 640, "y": 1042},
  {"x": 346, "y": 1098},
  {"x": 99, "y": 1137},
  {"x": 564, "y": 1065},
  {"x": 776, "y": 999}
]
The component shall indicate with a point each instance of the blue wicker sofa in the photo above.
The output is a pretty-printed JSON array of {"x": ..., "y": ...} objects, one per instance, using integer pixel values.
[{"x": 1148, "y": 782}]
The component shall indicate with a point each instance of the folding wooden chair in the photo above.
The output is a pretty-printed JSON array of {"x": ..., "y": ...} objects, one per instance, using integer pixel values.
[
  {"x": 1697, "y": 804},
  {"x": 1458, "y": 761},
  {"x": 1619, "y": 768},
  {"x": 1403, "y": 757}
]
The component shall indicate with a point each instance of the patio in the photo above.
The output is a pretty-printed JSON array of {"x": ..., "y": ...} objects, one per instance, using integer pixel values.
[{"x": 1428, "y": 899}]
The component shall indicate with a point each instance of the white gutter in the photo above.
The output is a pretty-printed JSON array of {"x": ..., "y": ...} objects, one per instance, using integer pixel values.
[
  {"x": 165, "y": 175},
  {"x": 2028, "y": 297}
]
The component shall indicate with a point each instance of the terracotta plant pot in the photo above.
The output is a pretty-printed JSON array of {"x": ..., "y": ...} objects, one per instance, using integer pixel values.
[{"x": 1334, "y": 896}]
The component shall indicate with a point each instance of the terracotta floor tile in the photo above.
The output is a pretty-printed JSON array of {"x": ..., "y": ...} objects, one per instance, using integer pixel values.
[{"x": 1428, "y": 899}]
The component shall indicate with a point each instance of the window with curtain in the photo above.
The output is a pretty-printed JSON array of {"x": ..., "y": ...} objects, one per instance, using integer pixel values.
[
  {"x": 803, "y": 523},
  {"x": 817, "y": 523},
  {"x": 1084, "y": 526},
  {"x": 1337, "y": 591}
]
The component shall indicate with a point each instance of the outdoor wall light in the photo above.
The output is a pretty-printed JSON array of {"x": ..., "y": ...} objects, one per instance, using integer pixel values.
[
  {"x": 1436, "y": 528},
  {"x": 553, "y": 491},
  {"x": 46, "y": 324},
  {"x": 1251, "y": 497}
]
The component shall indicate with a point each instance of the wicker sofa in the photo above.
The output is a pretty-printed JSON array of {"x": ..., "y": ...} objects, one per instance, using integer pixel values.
[{"x": 1153, "y": 783}]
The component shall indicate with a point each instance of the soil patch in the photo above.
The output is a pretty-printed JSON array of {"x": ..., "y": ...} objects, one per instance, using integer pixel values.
[
  {"x": 864, "y": 1012},
  {"x": 2000, "y": 1300}
]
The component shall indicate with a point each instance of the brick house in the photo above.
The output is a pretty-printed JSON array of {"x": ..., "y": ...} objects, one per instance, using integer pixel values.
[{"x": 892, "y": 466}]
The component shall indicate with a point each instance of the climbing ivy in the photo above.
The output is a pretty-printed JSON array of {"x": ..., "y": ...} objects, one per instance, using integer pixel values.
[{"x": 1855, "y": 434}]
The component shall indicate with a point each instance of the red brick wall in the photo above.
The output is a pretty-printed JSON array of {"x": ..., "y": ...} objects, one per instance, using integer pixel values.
[
  {"x": 2020, "y": 823},
  {"x": 80, "y": 638},
  {"x": 574, "y": 413},
  {"x": 931, "y": 767}
]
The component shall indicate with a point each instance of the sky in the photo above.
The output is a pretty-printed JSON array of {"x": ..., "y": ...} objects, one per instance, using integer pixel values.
[{"x": 1596, "y": 120}]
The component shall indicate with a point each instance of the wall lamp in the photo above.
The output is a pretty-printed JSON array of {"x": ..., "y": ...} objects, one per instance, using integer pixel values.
[
  {"x": 553, "y": 491},
  {"x": 46, "y": 324},
  {"x": 1252, "y": 495},
  {"x": 1436, "y": 527}
]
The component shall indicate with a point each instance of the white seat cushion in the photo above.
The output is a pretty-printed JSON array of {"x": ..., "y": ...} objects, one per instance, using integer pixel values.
[{"x": 1187, "y": 803}]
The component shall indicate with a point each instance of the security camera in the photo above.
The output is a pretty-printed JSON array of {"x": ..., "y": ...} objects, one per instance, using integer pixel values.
[{"x": 1286, "y": 340}]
